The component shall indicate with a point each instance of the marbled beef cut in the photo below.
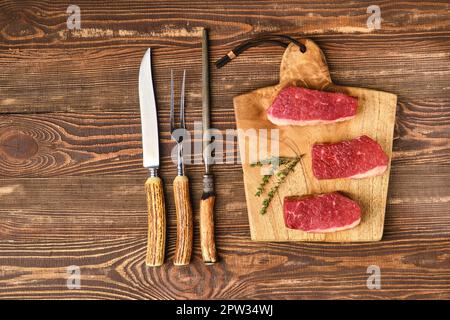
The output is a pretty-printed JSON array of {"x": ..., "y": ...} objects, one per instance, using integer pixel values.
[
  {"x": 300, "y": 106},
  {"x": 328, "y": 212},
  {"x": 357, "y": 158}
]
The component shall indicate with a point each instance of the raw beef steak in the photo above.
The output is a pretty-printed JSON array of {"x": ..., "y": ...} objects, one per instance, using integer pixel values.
[
  {"x": 357, "y": 158},
  {"x": 328, "y": 212},
  {"x": 300, "y": 106}
]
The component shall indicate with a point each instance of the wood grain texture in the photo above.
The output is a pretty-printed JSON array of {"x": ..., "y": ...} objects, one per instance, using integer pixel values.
[
  {"x": 183, "y": 208},
  {"x": 156, "y": 243},
  {"x": 105, "y": 234},
  {"x": 375, "y": 118},
  {"x": 207, "y": 239},
  {"x": 71, "y": 180}
]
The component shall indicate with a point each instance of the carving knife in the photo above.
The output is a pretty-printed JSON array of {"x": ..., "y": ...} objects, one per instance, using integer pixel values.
[
  {"x": 207, "y": 241},
  {"x": 150, "y": 149}
]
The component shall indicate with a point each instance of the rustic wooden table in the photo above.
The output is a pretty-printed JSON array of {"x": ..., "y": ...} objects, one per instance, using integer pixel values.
[{"x": 71, "y": 176}]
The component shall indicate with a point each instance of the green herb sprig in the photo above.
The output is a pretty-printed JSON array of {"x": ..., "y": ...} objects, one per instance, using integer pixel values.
[{"x": 285, "y": 166}]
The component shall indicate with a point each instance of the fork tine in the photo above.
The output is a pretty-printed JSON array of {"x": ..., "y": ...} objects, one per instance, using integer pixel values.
[
  {"x": 172, "y": 103},
  {"x": 182, "y": 118}
]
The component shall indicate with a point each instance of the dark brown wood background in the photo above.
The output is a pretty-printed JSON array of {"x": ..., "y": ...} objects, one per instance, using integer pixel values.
[{"x": 71, "y": 179}]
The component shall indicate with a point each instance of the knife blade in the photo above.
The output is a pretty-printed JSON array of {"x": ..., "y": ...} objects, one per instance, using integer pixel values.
[
  {"x": 150, "y": 151},
  {"x": 149, "y": 119}
]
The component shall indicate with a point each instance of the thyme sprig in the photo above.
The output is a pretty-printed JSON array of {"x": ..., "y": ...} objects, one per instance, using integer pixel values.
[
  {"x": 285, "y": 165},
  {"x": 262, "y": 185},
  {"x": 273, "y": 161}
]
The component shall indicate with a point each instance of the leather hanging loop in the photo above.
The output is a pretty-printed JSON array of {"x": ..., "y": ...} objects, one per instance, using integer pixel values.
[{"x": 277, "y": 39}]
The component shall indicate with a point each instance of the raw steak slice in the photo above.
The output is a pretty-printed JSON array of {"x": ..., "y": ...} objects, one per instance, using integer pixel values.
[
  {"x": 357, "y": 158},
  {"x": 301, "y": 107},
  {"x": 328, "y": 212}
]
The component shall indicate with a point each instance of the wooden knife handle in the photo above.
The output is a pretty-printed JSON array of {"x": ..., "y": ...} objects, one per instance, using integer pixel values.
[
  {"x": 156, "y": 222},
  {"x": 183, "y": 249},
  {"x": 207, "y": 241}
]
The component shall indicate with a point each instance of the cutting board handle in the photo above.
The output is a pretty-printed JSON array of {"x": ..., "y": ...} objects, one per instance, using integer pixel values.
[{"x": 307, "y": 69}]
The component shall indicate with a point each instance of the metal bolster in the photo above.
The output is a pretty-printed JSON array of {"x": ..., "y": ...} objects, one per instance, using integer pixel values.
[
  {"x": 153, "y": 172},
  {"x": 208, "y": 183}
]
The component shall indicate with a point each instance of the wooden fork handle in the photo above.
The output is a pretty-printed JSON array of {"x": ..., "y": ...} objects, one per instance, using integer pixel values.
[
  {"x": 156, "y": 222},
  {"x": 207, "y": 241},
  {"x": 183, "y": 246}
]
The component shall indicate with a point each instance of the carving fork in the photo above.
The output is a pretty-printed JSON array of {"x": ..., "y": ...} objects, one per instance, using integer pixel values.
[{"x": 183, "y": 207}]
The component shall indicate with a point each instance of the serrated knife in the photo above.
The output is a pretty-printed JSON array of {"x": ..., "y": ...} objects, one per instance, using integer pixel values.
[{"x": 150, "y": 149}]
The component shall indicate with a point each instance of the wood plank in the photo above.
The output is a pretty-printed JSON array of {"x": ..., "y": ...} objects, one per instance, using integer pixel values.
[
  {"x": 91, "y": 206},
  {"x": 92, "y": 79},
  {"x": 66, "y": 144},
  {"x": 99, "y": 224},
  {"x": 40, "y": 23},
  {"x": 414, "y": 270}
]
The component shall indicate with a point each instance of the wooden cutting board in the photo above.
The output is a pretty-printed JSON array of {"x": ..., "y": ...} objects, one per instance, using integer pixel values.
[{"x": 375, "y": 118}]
